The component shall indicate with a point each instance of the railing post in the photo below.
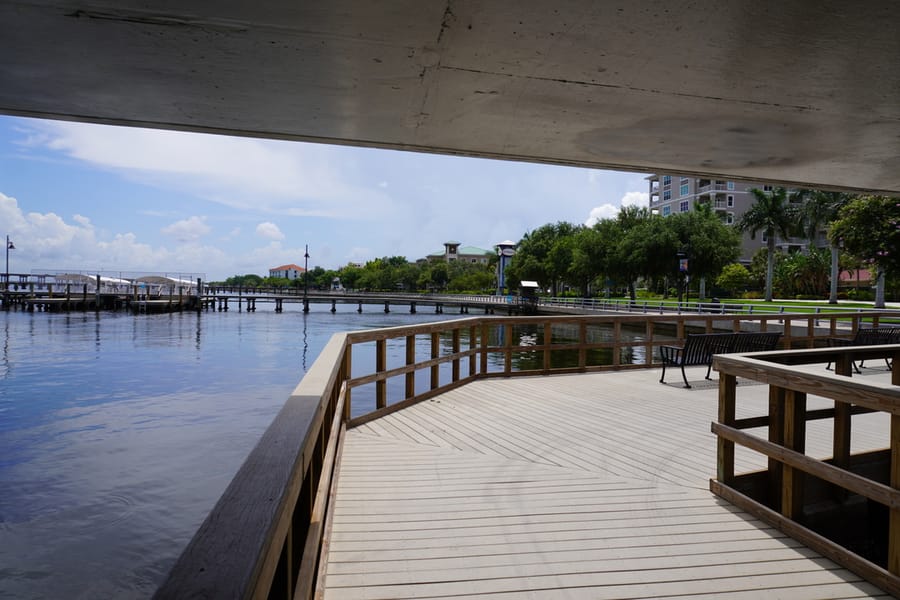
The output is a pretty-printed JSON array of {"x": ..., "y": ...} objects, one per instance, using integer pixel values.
[
  {"x": 617, "y": 343},
  {"x": 484, "y": 347},
  {"x": 346, "y": 374},
  {"x": 380, "y": 367},
  {"x": 455, "y": 351},
  {"x": 582, "y": 341},
  {"x": 472, "y": 334},
  {"x": 794, "y": 439},
  {"x": 776, "y": 436},
  {"x": 435, "y": 352},
  {"x": 893, "y": 563},
  {"x": 410, "y": 360},
  {"x": 725, "y": 448},
  {"x": 548, "y": 340},
  {"x": 507, "y": 349}
]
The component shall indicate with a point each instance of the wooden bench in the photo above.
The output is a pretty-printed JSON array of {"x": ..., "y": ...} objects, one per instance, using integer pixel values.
[
  {"x": 699, "y": 349},
  {"x": 867, "y": 336}
]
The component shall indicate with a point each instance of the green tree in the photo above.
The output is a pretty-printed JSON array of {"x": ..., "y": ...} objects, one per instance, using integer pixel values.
[
  {"x": 249, "y": 280},
  {"x": 797, "y": 273},
  {"x": 707, "y": 242},
  {"x": 350, "y": 276},
  {"x": 589, "y": 257},
  {"x": 869, "y": 229},
  {"x": 772, "y": 214},
  {"x": 733, "y": 277},
  {"x": 545, "y": 255},
  {"x": 468, "y": 276},
  {"x": 819, "y": 210}
]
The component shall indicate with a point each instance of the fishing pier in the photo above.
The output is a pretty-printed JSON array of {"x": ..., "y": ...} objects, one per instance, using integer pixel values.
[
  {"x": 155, "y": 294},
  {"x": 539, "y": 456}
]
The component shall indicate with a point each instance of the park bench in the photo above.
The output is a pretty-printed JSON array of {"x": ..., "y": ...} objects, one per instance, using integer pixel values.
[
  {"x": 699, "y": 349},
  {"x": 867, "y": 336}
]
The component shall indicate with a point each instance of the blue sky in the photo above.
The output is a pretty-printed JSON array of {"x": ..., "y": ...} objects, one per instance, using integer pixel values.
[{"x": 90, "y": 197}]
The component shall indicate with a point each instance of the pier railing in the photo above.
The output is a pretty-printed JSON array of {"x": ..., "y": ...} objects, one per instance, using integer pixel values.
[
  {"x": 265, "y": 536},
  {"x": 846, "y": 507}
]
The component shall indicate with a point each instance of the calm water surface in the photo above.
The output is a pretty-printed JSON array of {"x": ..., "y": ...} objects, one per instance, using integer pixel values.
[{"x": 118, "y": 433}]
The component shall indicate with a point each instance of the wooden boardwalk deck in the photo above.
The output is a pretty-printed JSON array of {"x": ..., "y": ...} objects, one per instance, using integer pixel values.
[{"x": 581, "y": 486}]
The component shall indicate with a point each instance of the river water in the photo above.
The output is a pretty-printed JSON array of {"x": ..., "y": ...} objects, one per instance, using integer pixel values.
[{"x": 118, "y": 433}]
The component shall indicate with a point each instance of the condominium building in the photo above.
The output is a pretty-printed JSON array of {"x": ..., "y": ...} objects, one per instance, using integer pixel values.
[{"x": 674, "y": 193}]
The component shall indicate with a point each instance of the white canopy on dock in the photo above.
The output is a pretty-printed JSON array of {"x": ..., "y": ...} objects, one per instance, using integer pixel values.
[{"x": 162, "y": 280}]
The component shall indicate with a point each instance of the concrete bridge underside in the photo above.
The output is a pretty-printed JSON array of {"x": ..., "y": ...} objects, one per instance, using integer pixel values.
[{"x": 787, "y": 91}]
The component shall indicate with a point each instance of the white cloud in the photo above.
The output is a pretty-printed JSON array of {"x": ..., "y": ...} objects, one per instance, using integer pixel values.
[
  {"x": 609, "y": 211},
  {"x": 269, "y": 231},
  {"x": 82, "y": 220},
  {"x": 635, "y": 199},
  {"x": 598, "y": 213},
  {"x": 247, "y": 174},
  {"x": 187, "y": 230}
]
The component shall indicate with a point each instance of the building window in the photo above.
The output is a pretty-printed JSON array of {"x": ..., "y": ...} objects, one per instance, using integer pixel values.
[
  {"x": 685, "y": 180},
  {"x": 685, "y": 189},
  {"x": 730, "y": 185},
  {"x": 684, "y": 206},
  {"x": 730, "y": 201},
  {"x": 764, "y": 238},
  {"x": 667, "y": 210},
  {"x": 667, "y": 195},
  {"x": 768, "y": 188},
  {"x": 729, "y": 219},
  {"x": 667, "y": 180}
]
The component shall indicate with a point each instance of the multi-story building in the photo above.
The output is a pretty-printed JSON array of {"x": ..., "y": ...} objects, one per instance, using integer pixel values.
[
  {"x": 454, "y": 251},
  {"x": 673, "y": 193}
]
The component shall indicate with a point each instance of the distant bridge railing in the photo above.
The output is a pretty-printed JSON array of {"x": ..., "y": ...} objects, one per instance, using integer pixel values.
[{"x": 266, "y": 536}]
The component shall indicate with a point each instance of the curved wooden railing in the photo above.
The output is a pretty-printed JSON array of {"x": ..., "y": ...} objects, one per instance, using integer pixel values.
[{"x": 264, "y": 537}]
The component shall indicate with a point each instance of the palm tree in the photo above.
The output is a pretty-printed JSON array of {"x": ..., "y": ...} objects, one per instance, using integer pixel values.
[
  {"x": 819, "y": 210},
  {"x": 773, "y": 214}
]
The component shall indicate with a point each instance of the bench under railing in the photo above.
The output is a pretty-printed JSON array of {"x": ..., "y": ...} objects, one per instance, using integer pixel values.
[{"x": 265, "y": 536}]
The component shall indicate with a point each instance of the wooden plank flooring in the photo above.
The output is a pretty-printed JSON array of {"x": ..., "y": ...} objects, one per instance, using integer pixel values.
[{"x": 581, "y": 486}]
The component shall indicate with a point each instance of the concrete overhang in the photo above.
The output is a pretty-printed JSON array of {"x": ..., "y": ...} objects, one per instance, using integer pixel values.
[{"x": 798, "y": 92}]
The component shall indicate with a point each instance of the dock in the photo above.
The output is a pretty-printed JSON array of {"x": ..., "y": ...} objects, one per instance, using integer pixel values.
[
  {"x": 571, "y": 486},
  {"x": 540, "y": 457}
]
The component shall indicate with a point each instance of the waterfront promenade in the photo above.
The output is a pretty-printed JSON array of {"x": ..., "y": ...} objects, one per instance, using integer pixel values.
[{"x": 577, "y": 486}]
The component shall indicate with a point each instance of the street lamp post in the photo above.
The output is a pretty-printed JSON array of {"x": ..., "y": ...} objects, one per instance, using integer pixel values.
[
  {"x": 306, "y": 279},
  {"x": 9, "y": 246}
]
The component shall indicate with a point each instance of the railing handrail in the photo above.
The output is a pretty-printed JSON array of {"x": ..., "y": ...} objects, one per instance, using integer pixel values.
[
  {"x": 700, "y": 306},
  {"x": 238, "y": 548}
]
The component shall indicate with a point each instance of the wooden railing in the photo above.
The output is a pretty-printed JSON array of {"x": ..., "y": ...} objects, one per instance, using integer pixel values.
[
  {"x": 803, "y": 496},
  {"x": 264, "y": 537}
]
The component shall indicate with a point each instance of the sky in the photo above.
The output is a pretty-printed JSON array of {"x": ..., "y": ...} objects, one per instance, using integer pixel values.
[{"x": 92, "y": 198}]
